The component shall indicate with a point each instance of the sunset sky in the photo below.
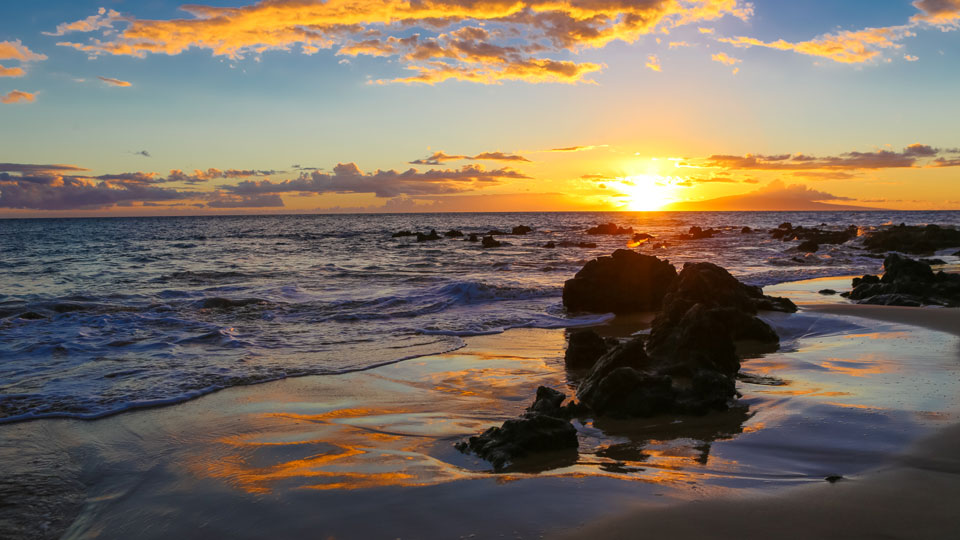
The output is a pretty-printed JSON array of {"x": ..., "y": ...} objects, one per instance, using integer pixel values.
[{"x": 155, "y": 107}]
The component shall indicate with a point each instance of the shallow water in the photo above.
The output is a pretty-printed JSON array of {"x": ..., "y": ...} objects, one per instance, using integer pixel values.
[
  {"x": 370, "y": 454},
  {"x": 102, "y": 315}
]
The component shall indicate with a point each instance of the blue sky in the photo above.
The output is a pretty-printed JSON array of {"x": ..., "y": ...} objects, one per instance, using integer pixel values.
[{"x": 271, "y": 109}]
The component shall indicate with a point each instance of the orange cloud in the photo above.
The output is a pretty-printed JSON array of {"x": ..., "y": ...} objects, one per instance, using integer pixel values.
[
  {"x": 11, "y": 72},
  {"x": 653, "y": 62},
  {"x": 485, "y": 41},
  {"x": 15, "y": 50},
  {"x": 16, "y": 96},
  {"x": 848, "y": 47},
  {"x": 725, "y": 59},
  {"x": 114, "y": 82}
]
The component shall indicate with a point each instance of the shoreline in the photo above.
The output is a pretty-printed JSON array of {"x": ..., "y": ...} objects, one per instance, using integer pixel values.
[
  {"x": 911, "y": 496},
  {"x": 383, "y": 436}
]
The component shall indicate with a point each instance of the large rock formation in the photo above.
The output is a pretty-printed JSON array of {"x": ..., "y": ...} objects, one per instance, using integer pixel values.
[
  {"x": 907, "y": 282},
  {"x": 625, "y": 282},
  {"x": 913, "y": 239}
]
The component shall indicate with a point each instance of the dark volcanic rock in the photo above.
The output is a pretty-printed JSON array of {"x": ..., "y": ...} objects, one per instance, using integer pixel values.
[
  {"x": 489, "y": 242},
  {"x": 584, "y": 349},
  {"x": 428, "y": 237},
  {"x": 912, "y": 239},
  {"x": 401, "y": 234},
  {"x": 827, "y": 292},
  {"x": 453, "y": 233},
  {"x": 808, "y": 246},
  {"x": 697, "y": 233},
  {"x": 541, "y": 429},
  {"x": 609, "y": 228},
  {"x": 521, "y": 230},
  {"x": 585, "y": 245},
  {"x": 622, "y": 283},
  {"x": 907, "y": 282}
]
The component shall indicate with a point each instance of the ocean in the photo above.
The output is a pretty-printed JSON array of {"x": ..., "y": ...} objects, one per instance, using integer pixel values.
[{"x": 98, "y": 316}]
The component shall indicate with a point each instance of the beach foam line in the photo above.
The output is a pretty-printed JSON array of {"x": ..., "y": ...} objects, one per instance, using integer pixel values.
[{"x": 932, "y": 318}]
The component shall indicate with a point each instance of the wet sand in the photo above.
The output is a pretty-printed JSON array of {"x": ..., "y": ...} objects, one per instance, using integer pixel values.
[
  {"x": 370, "y": 454},
  {"x": 914, "y": 495}
]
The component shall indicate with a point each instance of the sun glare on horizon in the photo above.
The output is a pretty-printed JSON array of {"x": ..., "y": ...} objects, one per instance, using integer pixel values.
[{"x": 644, "y": 192}]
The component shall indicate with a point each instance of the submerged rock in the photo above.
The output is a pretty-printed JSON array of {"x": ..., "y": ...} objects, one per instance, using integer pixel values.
[
  {"x": 609, "y": 229},
  {"x": 453, "y": 233},
  {"x": 541, "y": 429},
  {"x": 642, "y": 236},
  {"x": 489, "y": 242},
  {"x": 521, "y": 230},
  {"x": 585, "y": 245},
  {"x": 827, "y": 292},
  {"x": 812, "y": 236},
  {"x": 625, "y": 282},
  {"x": 401, "y": 234},
  {"x": 907, "y": 282},
  {"x": 428, "y": 237},
  {"x": 808, "y": 246},
  {"x": 913, "y": 239},
  {"x": 474, "y": 237},
  {"x": 550, "y": 245},
  {"x": 746, "y": 230}
]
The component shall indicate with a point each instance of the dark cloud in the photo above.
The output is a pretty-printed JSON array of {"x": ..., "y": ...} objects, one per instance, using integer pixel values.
[
  {"x": 348, "y": 178},
  {"x": 439, "y": 157},
  {"x": 54, "y": 192},
  {"x": 881, "y": 159},
  {"x": 35, "y": 169}
]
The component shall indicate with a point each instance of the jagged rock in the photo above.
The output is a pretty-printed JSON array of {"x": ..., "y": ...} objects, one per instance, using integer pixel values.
[
  {"x": 625, "y": 282},
  {"x": 698, "y": 233},
  {"x": 541, "y": 429},
  {"x": 808, "y": 246},
  {"x": 907, "y": 282},
  {"x": 913, "y": 239},
  {"x": 401, "y": 234},
  {"x": 609, "y": 228},
  {"x": 814, "y": 235},
  {"x": 489, "y": 242},
  {"x": 584, "y": 349},
  {"x": 521, "y": 230},
  {"x": 585, "y": 245},
  {"x": 453, "y": 233},
  {"x": 428, "y": 237}
]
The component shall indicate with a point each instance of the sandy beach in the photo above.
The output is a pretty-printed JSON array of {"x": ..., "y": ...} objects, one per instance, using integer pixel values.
[{"x": 370, "y": 454}]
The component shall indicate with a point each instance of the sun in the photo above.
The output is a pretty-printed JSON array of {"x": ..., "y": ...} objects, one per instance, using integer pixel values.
[{"x": 643, "y": 193}]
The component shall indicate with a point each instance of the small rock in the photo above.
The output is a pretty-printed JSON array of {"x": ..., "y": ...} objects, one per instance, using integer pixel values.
[
  {"x": 827, "y": 292},
  {"x": 609, "y": 229},
  {"x": 521, "y": 230},
  {"x": 428, "y": 237},
  {"x": 489, "y": 242},
  {"x": 453, "y": 233},
  {"x": 401, "y": 234}
]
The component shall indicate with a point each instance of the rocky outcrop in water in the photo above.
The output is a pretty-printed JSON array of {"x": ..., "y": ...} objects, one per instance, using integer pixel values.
[
  {"x": 490, "y": 242},
  {"x": 625, "y": 282},
  {"x": 543, "y": 428},
  {"x": 430, "y": 237},
  {"x": 609, "y": 229},
  {"x": 453, "y": 233},
  {"x": 698, "y": 233},
  {"x": 520, "y": 230},
  {"x": 907, "y": 282},
  {"x": 401, "y": 234},
  {"x": 913, "y": 239}
]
